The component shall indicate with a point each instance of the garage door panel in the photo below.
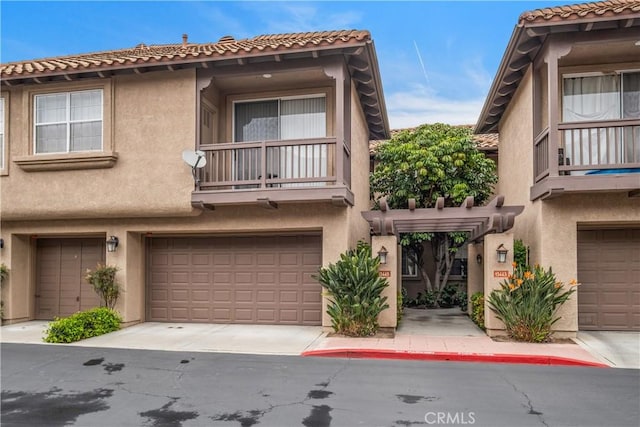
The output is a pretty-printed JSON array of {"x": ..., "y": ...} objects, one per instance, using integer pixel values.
[
  {"x": 266, "y": 296},
  {"x": 179, "y": 314},
  {"x": 311, "y": 297},
  {"x": 244, "y": 278},
  {"x": 312, "y": 316},
  {"x": 243, "y": 296},
  {"x": 289, "y": 278},
  {"x": 61, "y": 265},
  {"x": 608, "y": 266},
  {"x": 262, "y": 279}
]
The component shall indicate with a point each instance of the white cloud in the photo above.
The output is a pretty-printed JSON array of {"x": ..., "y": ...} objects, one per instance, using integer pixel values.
[
  {"x": 288, "y": 17},
  {"x": 419, "y": 106}
]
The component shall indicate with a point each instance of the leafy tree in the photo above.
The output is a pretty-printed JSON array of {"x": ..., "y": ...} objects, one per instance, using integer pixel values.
[{"x": 425, "y": 163}]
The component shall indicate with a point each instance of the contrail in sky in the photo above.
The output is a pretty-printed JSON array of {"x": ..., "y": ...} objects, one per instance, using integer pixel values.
[{"x": 424, "y": 70}]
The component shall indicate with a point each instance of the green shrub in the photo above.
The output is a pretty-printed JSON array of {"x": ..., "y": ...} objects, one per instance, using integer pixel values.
[
  {"x": 449, "y": 296},
  {"x": 527, "y": 303},
  {"x": 4, "y": 273},
  {"x": 400, "y": 306},
  {"x": 355, "y": 289},
  {"x": 521, "y": 254},
  {"x": 103, "y": 281},
  {"x": 477, "y": 309},
  {"x": 84, "y": 324},
  {"x": 463, "y": 301}
]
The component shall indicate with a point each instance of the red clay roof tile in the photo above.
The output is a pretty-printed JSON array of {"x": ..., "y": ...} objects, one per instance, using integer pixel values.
[
  {"x": 168, "y": 53},
  {"x": 583, "y": 10}
]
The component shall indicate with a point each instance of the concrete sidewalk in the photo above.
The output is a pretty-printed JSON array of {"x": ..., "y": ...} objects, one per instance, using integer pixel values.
[
  {"x": 444, "y": 335},
  {"x": 221, "y": 338},
  {"x": 455, "y": 348}
]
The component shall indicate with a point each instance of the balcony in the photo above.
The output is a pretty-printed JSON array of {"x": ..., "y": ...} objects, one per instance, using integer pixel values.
[
  {"x": 271, "y": 172},
  {"x": 587, "y": 157}
]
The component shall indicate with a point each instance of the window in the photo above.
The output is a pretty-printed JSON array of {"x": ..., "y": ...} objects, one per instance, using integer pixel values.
[
  {"x": 68, "y": 122},
  {"x": 409, "y": 267},
  {"x": 601, "y": 97},
  {"x": 282, "y": 119},
  {"x": 2, "y": 133}
]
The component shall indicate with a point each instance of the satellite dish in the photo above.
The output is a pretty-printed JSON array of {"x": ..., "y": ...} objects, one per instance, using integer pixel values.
[{"x": 195, "y": 159}]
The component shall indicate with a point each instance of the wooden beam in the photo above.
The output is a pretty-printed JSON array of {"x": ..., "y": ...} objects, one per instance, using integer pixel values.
[
  {"x": 266, "y": 203},
  {"x": 204, "y": 64},
  {"x": 241, "y": 61},
  {"x": 315, "y": 54},
  {"x": 383, "y": 204},
  {"x": 528, "y": 46},
  {"x": 37, "y": 80},
  {"x": 467, "y": 203},
  {"x": 497, "y": 201},
  {"x": 203, "y": 206},
  {"x": 520, "y": 63},
  {"x": 277, "y": 58},
  {"x": 364, "y": 78},
  {"x": 102, "y": 75},
  {"x": 170, "y": 68},
  {"x": 339, "y": 201},
  {"x": 512, "y": 78},
  {"x": 358, "y": 64},
  {"x": 67, "y": 77},
  {"x": 627, "y": 23}
]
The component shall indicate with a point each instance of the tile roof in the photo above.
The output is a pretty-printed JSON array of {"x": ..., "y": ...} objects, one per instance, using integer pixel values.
[
  {"x": 580, "y": 11},
  {"x": 143, "y": 55},
  {"x": 484, "y": 141}
]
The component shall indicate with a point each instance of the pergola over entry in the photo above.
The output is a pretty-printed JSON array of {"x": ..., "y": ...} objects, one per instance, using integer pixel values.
[{"x": 477, "y": 220}]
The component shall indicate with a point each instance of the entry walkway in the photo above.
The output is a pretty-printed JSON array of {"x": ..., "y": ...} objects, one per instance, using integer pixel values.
[{"x": 424, "y": 334}]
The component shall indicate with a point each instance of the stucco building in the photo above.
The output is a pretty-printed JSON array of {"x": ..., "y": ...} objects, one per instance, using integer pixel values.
[
  {"x": 566, "y": 104},
  {"x": 93, "y": 151}
]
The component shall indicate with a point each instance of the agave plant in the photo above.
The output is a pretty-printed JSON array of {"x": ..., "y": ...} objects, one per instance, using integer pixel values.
[{"x": 355, "y": 291}]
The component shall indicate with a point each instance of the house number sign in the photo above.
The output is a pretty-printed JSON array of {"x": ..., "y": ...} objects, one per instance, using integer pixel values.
[
  {"x": 385, "y": 273},
  {"x": 501, "y": 273}
]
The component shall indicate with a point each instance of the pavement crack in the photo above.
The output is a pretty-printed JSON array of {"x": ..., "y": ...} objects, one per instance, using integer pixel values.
[
  {"x": 120, "y": 386},
  {"x": 528, "y": 405}
]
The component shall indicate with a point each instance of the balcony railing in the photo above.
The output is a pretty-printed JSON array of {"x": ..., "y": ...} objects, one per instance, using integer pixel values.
[
  {"x": 247, "y": 166},
  {"x": 595, "y": 146},
  {"x": 589, "y": 148},
  {"x": 587, "y": 157}
]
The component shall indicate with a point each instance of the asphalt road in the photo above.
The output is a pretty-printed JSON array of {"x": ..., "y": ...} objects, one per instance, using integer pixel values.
[{"x": 54, "y": 385}]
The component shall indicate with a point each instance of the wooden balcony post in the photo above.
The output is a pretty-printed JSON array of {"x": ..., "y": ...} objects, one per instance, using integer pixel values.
[
  {"x": 337, "y": 72},
  {"x": 263, "y": 164},
  {"x": 557, "y": 49}
]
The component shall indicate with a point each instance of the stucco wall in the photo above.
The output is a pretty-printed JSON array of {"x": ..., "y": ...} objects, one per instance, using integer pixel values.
[
  {"x": 549, "y": 227},
  {"x": 149, "y": 120},
  {"x": 341, "y": 227},
  {"x": 558, "y": 241}
]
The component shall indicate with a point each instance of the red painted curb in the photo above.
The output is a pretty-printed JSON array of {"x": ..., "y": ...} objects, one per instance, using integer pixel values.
[{"x": 450, "y": 356}]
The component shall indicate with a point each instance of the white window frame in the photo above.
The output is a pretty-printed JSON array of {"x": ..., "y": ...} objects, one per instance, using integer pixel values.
[
  {"x": 67, "y": 121},
  {"x": 407, "y": 260},
  {"x": 276, "y": 98},
  {"x": 618, "y": 73}
]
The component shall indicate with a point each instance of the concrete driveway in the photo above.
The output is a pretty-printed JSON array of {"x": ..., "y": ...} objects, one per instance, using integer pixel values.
[
  {"x": 253, "y": 339},
  {"x": 617, "y": 349}
]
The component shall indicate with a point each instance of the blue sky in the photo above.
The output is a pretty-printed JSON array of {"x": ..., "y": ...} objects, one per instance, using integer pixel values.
[{"x": 460, "y": 43}]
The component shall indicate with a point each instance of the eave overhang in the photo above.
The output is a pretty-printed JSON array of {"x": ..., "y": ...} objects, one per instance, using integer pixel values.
[{"x": 525, "y": 43}]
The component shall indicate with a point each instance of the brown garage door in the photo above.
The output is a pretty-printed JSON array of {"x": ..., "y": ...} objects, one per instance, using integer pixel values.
[
  {"x": 60, "y": 267},
  {"x": 609, "y": 273},
  {"x": 264, "y": 279}
]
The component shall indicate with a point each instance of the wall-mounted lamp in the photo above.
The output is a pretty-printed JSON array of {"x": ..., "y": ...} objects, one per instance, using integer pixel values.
[
  {"x": 112, "y": 243},
  {"x": 382, "y": 254},
  {"x": 502, "y": 253},
  {"x": 479, "y": 258},
  {"x": 1, "y": 243}
]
